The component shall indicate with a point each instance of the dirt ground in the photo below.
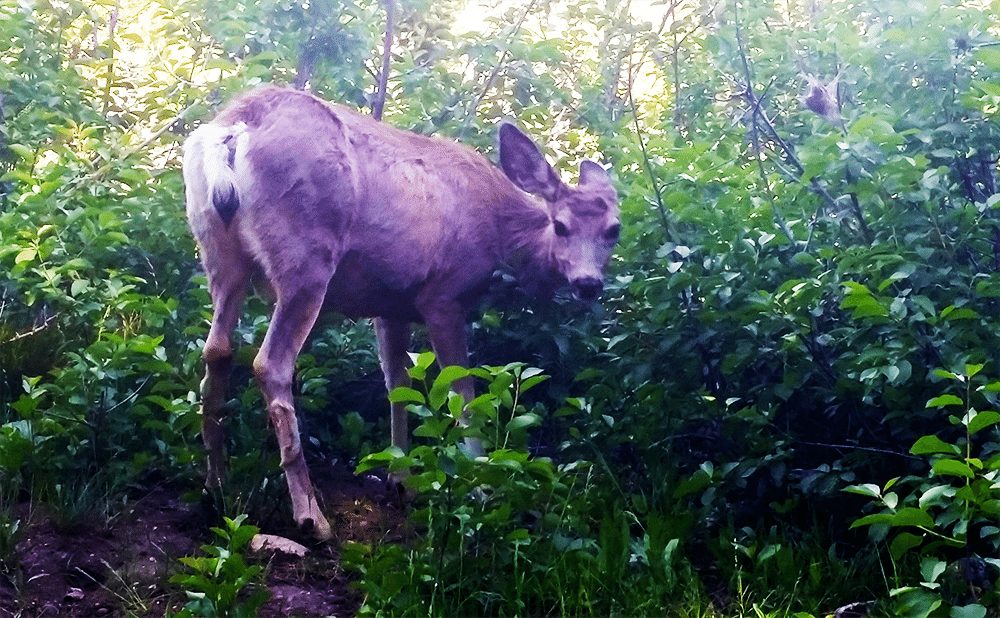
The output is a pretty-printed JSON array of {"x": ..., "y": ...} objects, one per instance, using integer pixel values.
[{"x": 122, "y": 568}]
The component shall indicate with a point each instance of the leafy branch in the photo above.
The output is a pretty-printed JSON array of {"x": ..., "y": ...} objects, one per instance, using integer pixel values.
[
  {"x": 759, "y": 116},
  {"x": 501, "y": 63}
]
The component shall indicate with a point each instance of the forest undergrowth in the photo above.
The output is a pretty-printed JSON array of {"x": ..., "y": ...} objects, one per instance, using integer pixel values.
[{"x": 784, "y": 405}]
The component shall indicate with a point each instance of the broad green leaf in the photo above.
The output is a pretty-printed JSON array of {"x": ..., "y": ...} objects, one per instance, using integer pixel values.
[
  {"x": 972, "y": 369},
  {"x": 910, "y": 516},
  {"x": 890, "y": 499},
  {"x": 616, "y": 340},
  {"x": 993, "y": 463},
  {"x": 974, "y": 610},
  {"x": 379, "y": 459},
  {"x": 405, "y": 394},
  {"x": 870, "y": 124},
  {"x": 932, "y": 568},
  {"x": 456, "y": 405},
  {"x": 943, "y": 373},
  {"x": 891, "y": 372},
  {"x": 433, "y": 427},
  {"x": 990, "y": 56},
  {"x": 952, "y": 467},
  {"x": 870, "y": 310},
  {"x": 524, "y": 421},
  {"x": 25, "y": 255},
  {"x": 868, "y": 520},
  {"x": 914, "y": 602},
  {"x": 442, "y": 384},
  {"x": 933, "y": 444},
  {"x": 22, "y": 151},
  {"x": 945, "y": 400},
  {"x": 990, "y": 507},
  {"x": 769, "y": 551},
  {"x": 982, "y": 420},
  {"x": 902, "y": 543},
  {"x": 959, "y": 313},
  {"x": 421, "y": 363},
  {"x": 532, "y": 382},
  {"x": 698, "y": 481},
  {"x": 899, "y": 275},
  {"x": 483, "y": 404},
  {"x": 933, "y": 494},
  {"x": 868, "y": 489}
]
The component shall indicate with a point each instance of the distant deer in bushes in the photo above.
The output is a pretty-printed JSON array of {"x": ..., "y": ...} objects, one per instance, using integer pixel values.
[{"x": 332, "y": 210}]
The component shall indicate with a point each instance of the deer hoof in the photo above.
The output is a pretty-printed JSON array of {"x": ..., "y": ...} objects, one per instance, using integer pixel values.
[
  {"x": 316, "y": 527},
  {"x": 208, "y": 504},
  {"x": 395, "y": 485}
]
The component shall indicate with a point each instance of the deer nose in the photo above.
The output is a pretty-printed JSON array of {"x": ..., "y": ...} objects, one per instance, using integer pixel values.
[{"x": 588, "y": 288}]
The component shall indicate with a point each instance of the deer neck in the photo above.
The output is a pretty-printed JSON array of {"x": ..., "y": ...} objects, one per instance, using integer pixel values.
[{"x": 526, "y": 239}]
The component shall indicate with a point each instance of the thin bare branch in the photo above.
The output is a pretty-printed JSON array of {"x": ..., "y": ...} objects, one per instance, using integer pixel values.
[
  {"x": 645, "y": 156},
  {"x": 33, "y": 331},
  {"x": 854, "y": 447},
  {"x": 378, "y": 104},
  {"x": 755, "y": 136}
]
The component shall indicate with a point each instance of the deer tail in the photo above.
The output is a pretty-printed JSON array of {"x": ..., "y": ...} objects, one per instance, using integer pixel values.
[{"x": 218, "y": 162}]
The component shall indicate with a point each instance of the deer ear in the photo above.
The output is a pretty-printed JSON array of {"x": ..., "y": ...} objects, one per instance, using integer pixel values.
[
  {"x": 525, "y": 165},
  {"x": 592, "y": 173}
]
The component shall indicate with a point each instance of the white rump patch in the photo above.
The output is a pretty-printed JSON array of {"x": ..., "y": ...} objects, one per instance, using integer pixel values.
[{"x": 220, "y": 144}]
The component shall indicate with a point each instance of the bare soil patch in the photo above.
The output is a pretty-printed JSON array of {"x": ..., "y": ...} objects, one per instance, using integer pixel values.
[{"x": 122, "y": 567}]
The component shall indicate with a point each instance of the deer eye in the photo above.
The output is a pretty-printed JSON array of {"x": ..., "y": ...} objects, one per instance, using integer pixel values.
[
  {"x": 561, "y": 229},
  {"x": 612, "y": 232}
]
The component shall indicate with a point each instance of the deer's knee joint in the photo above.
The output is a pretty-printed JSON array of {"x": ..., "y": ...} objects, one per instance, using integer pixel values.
[
  {"x": 217, "y": 353},
  {"x": 263, "y": 368},
  {"x": 272, "y": 380}
]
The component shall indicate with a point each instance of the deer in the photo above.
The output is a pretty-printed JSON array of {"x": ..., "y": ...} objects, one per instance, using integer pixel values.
[{"x": 327, "y": 209}]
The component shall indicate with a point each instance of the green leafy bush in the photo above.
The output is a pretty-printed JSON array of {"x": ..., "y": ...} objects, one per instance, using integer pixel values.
[
  {"x": 506, "y": 532},
  {"x": 221, "y": 583},
  {"x": 948, "y": 519}
]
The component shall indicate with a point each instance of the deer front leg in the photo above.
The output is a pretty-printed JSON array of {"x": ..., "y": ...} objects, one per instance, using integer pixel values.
[
  {"x": 393, "y": 337},
  {"x": 446, "y": 327},
  {"x": 274, "y": 368}
]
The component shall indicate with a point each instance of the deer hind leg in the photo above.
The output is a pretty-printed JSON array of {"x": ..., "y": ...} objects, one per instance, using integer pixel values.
[
  {"x": 228, "y": 288},
  {"x": 393, "y": 338},
  {"x": 274, "y": 367}
]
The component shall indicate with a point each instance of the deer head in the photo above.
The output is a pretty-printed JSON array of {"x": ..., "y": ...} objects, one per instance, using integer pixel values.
[{"x": 583, "y": 223}]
